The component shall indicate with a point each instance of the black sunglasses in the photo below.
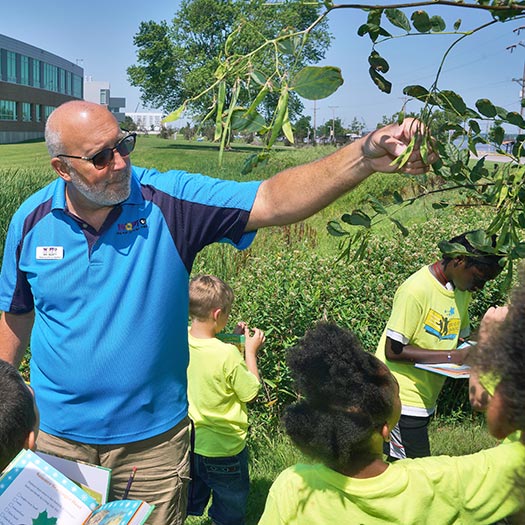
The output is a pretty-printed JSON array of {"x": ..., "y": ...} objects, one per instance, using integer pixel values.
[{"x": 101, "y": 159}]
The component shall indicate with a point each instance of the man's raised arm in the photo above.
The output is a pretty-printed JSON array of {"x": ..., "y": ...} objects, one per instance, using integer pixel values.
[{"x": 299, "y": 192}]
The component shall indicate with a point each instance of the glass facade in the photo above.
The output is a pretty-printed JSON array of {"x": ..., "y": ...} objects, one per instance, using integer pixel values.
[
  {"x": 26, "y": 112},
  {"x": 11, "y": 66},
  {"x": 47, "y": 111},
  {"x": 36, "y": 73},
  {"x": 24, "y": 70},
  {"x": 21, "y": 69},
  {"x": 7, "y": 110},
  {"x": 33, "y": 82}
]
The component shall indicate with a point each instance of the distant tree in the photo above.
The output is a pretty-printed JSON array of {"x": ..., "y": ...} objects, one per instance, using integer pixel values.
[
  {"x": 303, "y": 128},
  {"x": 128, "y": 124},
  {"x": 175, "y": 61},
  {"x": 326, "y": 129},
  {"x": 356, "y": 126}
]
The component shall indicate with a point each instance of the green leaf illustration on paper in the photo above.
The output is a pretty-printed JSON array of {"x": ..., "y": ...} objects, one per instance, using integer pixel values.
[{"x": 43, "y": 519}]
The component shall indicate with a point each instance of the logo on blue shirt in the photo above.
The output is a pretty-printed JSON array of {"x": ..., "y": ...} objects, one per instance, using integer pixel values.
[{"x": 133, "y": 226}]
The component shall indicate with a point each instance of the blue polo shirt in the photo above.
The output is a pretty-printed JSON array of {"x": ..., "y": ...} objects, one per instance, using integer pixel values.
[{"x": 109, "y": 343}]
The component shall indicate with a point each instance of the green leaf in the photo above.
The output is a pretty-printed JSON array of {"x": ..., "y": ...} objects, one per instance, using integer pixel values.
[
  {"x": 515, "y": 119},
  {"x": 286, "y": 46},
  {"x": 397, "y": 197},
  {"x": 480, "y": 240},
  {"x": 380, "y": 81},
  {"x": 314, "y": 82},
  {"x": 376, "y": 205},
  {"x": 357, "y": 218},
  {"x": 440, "y": 205},
  {"x": 378, "y": 62},
  {"x": 253, "y": 161},
  {"x": 501, "y": 112},
  {"x": 43, "y": 519},
  {"x": 402, "y": 228},
  {"x": 453, "y": 101},
  {"x": 421, "y": 21},
  {"x": 438, "y": 24},
  {"x": 416, "y": 91},
  {"x": 335, "y": 229},
  {"x": 498, "y": 134},
  {"x": 519, "y": 250},
  {"x": 398, "y": 19},
  {"x": 457, "y": 24},
  {"x": 258, "y": 77},
  {"x": 248, "y": 122},
  {"x": 486, "y": 107},
  {"x": 474, "y": 126},
  {"x": 174, "y": 115}
]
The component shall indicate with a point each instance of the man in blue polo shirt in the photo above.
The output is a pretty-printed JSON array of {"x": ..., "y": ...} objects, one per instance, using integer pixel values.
[{"x": 96, "y": 269}]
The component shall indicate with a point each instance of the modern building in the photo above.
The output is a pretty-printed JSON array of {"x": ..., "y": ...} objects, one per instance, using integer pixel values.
[
  {"x": 99, "y": 92},
  {"x": 33, "y": 82},
  {"x": 147, "y": 121}
]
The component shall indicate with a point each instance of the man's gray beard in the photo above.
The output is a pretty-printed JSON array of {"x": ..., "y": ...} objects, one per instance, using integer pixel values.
[{"x": 101, "y": 194}]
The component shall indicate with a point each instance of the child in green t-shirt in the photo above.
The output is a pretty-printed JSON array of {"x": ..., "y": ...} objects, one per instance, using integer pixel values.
[
  {"x": 220, "y": 384},
  {"x": 348, "y": 403},
  {"x": 18, "y": 414}
]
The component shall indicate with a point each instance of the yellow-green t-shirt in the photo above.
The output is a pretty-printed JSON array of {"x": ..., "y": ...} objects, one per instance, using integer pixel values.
[
  {"x": 219, "y": 385},
  {"x": 475, "y": 489},
  {"x": 427, "y": 315}
]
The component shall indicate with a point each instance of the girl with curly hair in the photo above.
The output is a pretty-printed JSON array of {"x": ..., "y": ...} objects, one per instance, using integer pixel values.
[{"x": 348, "y": 403}]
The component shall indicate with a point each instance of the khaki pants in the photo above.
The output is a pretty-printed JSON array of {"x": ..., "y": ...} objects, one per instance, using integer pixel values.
[{"x": 163, "y": 468}]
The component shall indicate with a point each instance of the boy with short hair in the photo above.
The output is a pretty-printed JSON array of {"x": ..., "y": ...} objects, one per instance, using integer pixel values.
[
  {"x": 18, "y": 418},
  {"x": 220, "y": 383}
]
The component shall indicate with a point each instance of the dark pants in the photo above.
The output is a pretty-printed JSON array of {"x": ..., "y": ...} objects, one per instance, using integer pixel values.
[
  {"x": 227, "y": 481},
  {"x": 409, "y": 439}
]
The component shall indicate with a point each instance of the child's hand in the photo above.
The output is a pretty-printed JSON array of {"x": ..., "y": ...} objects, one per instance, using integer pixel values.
[
  {"x": 253, "y": 342},
  {"x": 240, "y": 328}
]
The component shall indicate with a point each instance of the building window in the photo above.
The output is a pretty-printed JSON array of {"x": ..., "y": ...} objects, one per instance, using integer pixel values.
[
  {"x": 77, "y": 86},
  {"x": 36, "y": 73},
  {"x": 47, "y": 111},
  {"x": 62, "y": 83},
  {"x": 50, "y": 77},
  {"x": 24, "y": 70},
  {"x": 26, "y": 112},
  {"x": 68, "y": 83},
  {"x": 11, "y": 66},
  {"x": 7, "y": 110},
  {"x": 38, "y": 113},
  {"x": 104, "y": 97}
]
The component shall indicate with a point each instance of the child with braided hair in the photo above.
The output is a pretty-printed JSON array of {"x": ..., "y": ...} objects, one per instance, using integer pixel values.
[{"x": 348, "y": 404}]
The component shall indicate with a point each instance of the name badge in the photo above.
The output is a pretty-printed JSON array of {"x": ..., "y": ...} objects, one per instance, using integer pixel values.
[{"x": 49, "y": 253}]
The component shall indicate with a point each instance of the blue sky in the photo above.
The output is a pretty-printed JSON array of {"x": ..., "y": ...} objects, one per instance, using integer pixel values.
[{"x": 100, "y": 36}]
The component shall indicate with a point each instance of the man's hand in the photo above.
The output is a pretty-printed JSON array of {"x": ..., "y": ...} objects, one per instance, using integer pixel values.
[{"x": 384, "y": 145}]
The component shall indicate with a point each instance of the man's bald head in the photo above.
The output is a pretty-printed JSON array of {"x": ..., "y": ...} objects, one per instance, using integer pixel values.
[{"x": 73, "y": 120}]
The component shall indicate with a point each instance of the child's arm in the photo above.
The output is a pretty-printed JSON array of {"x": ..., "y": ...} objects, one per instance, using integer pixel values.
[{"x": 252, "y": 345}]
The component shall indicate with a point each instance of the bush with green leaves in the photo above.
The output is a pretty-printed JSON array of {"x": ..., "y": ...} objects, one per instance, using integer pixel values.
[{"x": 283, "y": 286}]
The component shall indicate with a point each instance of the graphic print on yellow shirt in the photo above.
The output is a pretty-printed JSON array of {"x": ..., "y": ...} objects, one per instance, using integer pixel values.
[
  {"x": 442, "y": 326},
  {"x": 426, "y": 315}
]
